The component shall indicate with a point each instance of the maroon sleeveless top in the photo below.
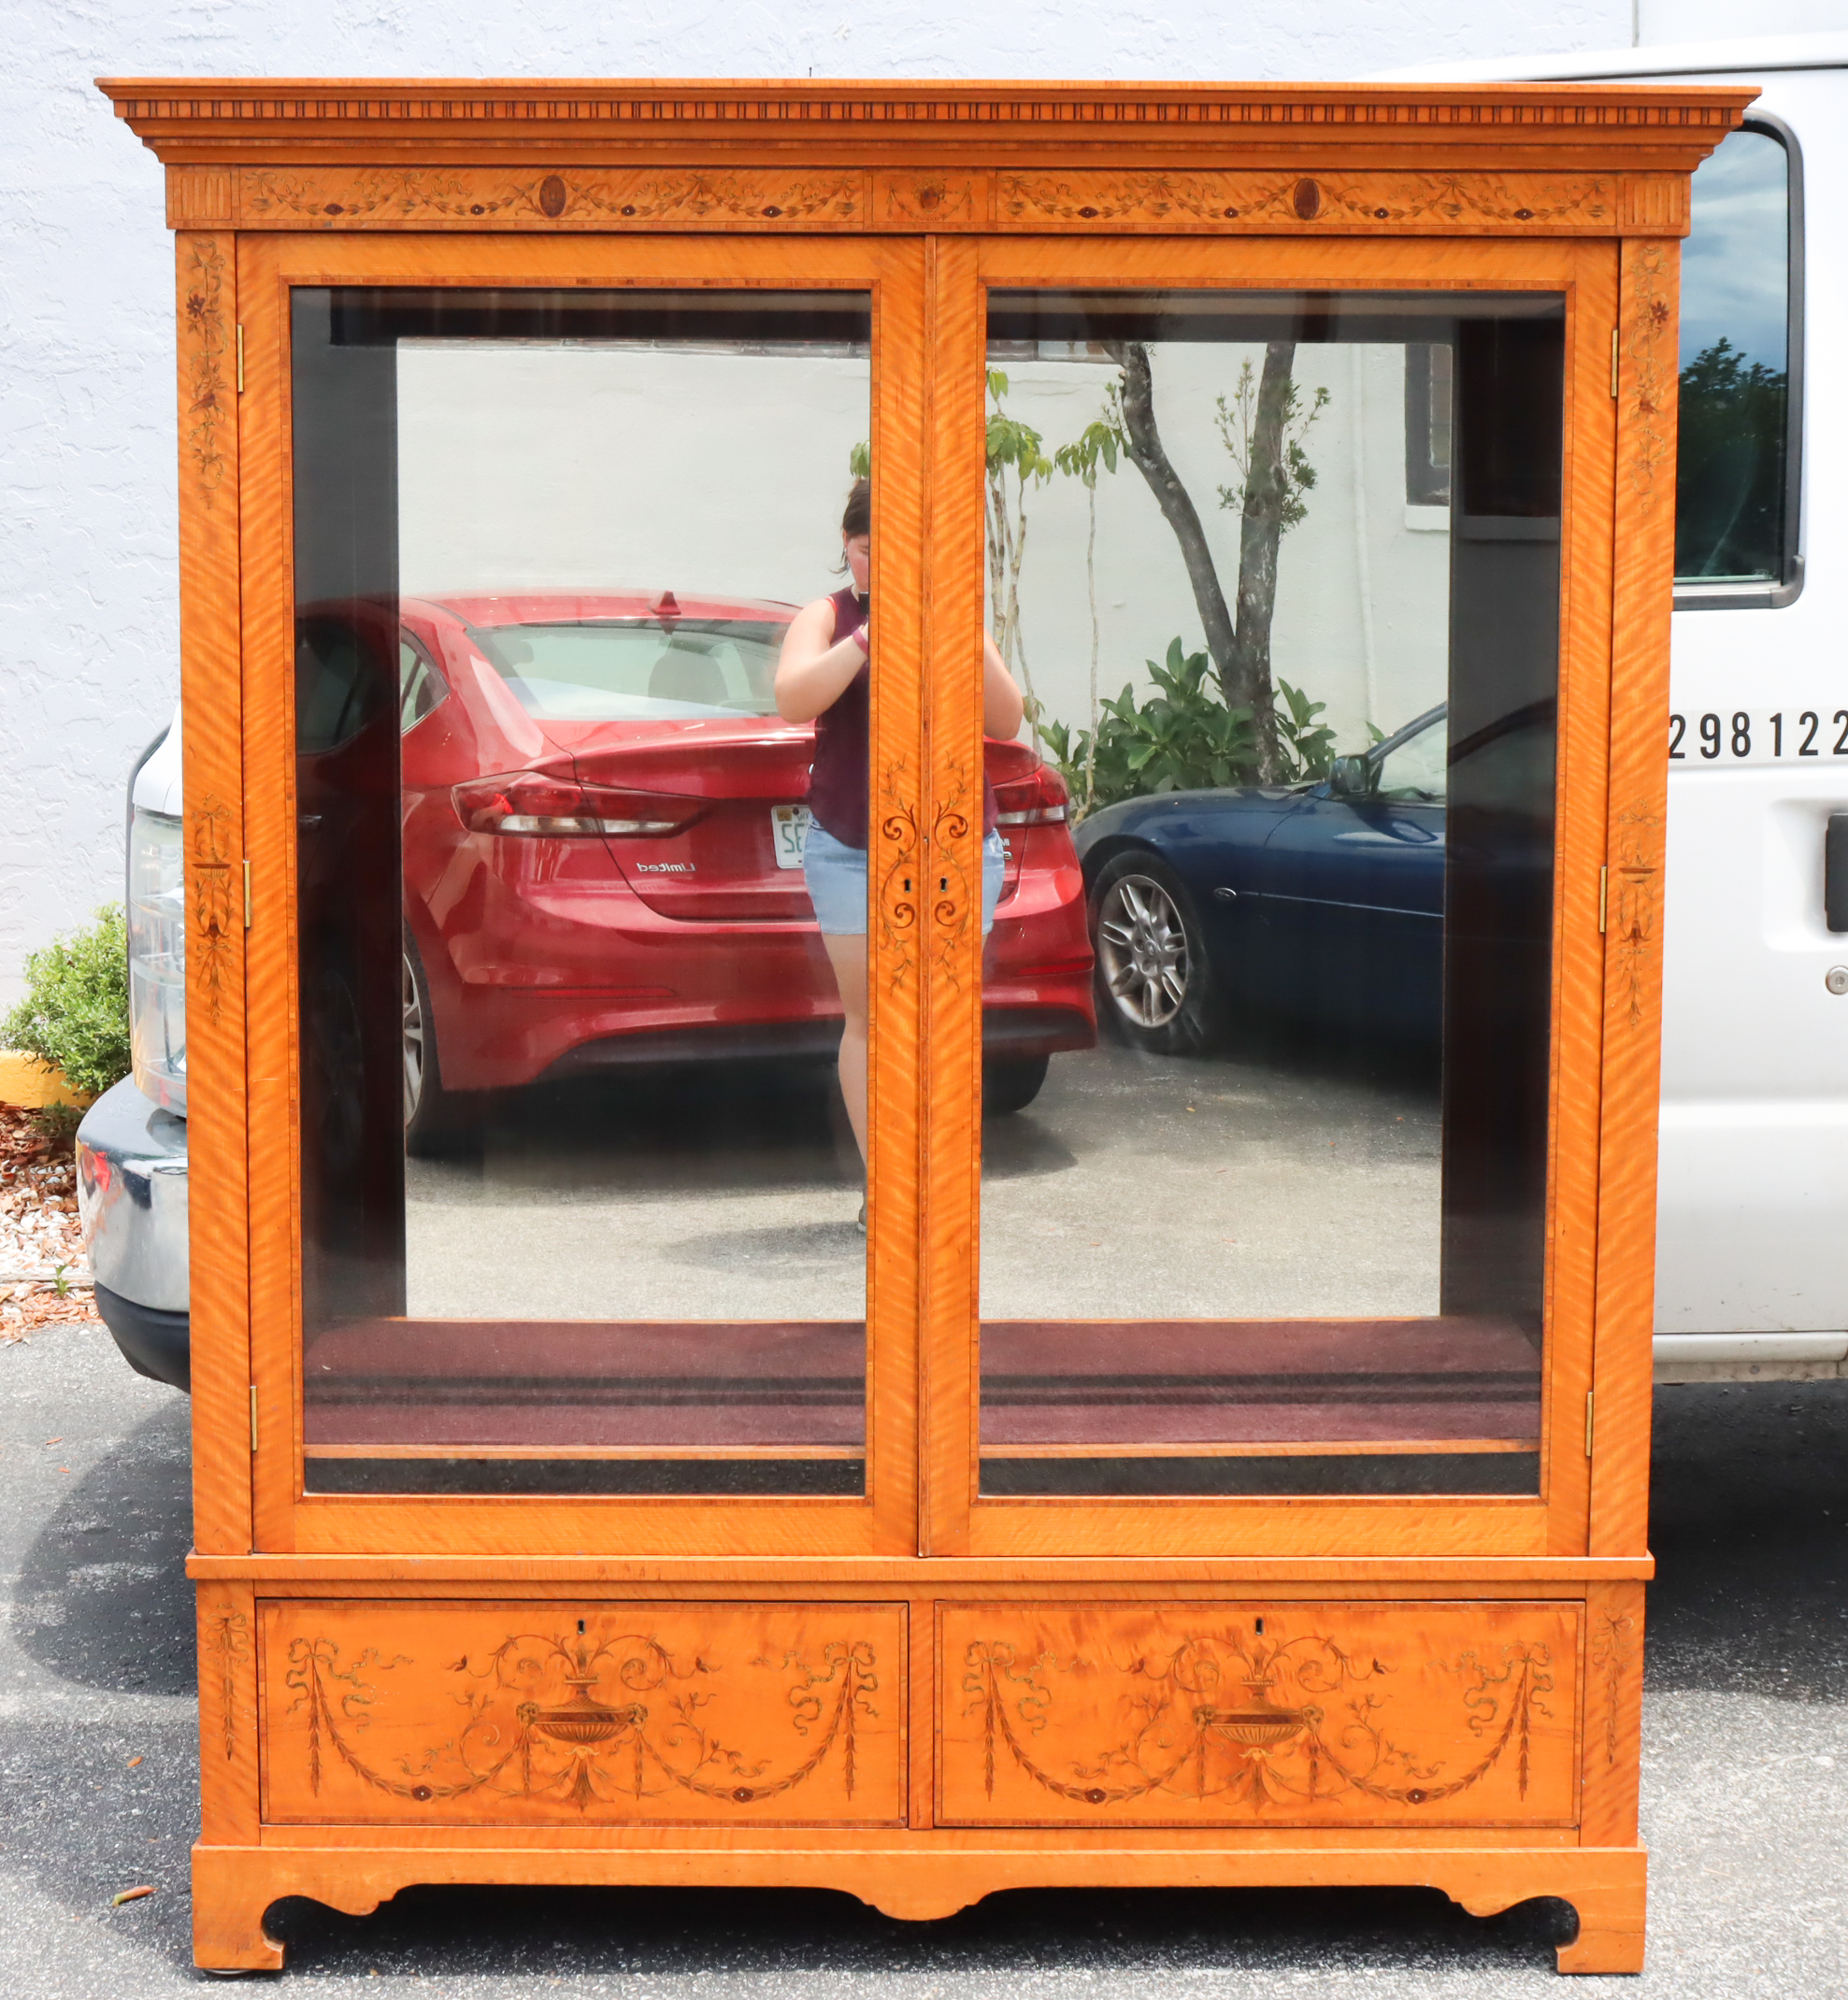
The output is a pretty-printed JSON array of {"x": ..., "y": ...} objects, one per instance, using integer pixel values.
[{"x": 840, "y": 779}]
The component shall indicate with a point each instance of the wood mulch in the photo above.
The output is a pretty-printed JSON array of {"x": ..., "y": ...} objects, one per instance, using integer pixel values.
[{"x": 41, "y": 1240}]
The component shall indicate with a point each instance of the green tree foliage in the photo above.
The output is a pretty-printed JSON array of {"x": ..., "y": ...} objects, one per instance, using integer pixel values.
[
  {"x": 75, "y": 1013},
  {"x": 1094, "y": 450},
  {"x": 1018, "y": 449},
  {"x": 1730, "y": 486},
  {"x": 1236, "y": 423}
]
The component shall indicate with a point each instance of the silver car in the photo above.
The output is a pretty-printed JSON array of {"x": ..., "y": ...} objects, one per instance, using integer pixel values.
[{"x": 131, "y": 1147}]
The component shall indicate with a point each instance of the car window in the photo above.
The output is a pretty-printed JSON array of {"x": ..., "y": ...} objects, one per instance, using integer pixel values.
[
  {"x": 1731, "y": 486},
  {"x": 337, "y": 684},
  {"x": 421, "y": 686},
  {"x": 637, "y": 669},
  {"x": 1413, "y": 773}
]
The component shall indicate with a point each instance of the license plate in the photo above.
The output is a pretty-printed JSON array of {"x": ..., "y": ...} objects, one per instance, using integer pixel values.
[{"x": 789, "y": 830}]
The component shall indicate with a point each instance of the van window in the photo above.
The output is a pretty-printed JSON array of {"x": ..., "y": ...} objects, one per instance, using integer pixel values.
[
  {"x": 1427, "y": 423},
  {"x": 1732, "y": 498}
]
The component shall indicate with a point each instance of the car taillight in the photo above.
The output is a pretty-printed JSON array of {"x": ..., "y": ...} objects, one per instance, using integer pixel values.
[
  {"x": 533, "y": 802},
  {"x": 1039, "y": 799},
  {"x": 157, "y": 957}
]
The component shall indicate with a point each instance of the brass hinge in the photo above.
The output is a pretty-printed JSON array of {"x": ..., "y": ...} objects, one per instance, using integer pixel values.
[
  {"x": 1603, "y": 898},
  {"x": 240, "y": 363},
  {"x": 1613, "y": 363},
  {"x": 1591, "y": 1396},
  {"x": 247, "y": 895},
  {"x": 254, "y": 1419}
]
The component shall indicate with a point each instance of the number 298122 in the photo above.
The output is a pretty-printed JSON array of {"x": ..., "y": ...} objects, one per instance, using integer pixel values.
[{"x": 1749, "y": 735}]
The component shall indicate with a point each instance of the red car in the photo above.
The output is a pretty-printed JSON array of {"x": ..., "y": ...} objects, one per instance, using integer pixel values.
[{"x": 602, "y": 829}]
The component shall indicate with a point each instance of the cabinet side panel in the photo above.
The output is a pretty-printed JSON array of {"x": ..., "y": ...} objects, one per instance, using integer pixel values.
[
  {"x": 211, "y": 697},
  {"x": 228, "y": 1749},
  {"x": 1584, "y": 724},
  {"x": 1644, "y": 534},
  {"x": 1613, "y": 1713}
]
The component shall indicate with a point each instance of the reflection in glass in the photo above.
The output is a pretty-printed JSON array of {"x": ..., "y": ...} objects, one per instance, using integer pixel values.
[
  {"x": 579, "y": 1197},
  {"x": 1730, "y": 494},
  {"x": 1288, "y": 621}
]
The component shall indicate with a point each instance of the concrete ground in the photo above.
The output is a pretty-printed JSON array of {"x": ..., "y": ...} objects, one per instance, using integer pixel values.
[
  {"x": 1746, "y": 1750},
  {"x": 1265, "y": 1181}
]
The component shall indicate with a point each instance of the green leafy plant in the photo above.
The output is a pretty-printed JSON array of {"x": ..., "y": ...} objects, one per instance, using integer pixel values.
[
  {"x": 1184, "y": 739},
  {"x": 1306, "y": 746},
  {"x": 75, "y": 1013},
  {"x": 59, "y": 1123}
]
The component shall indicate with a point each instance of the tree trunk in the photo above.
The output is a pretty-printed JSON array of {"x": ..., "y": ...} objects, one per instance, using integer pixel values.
[
  {"x": 1241, "y": 651},
  {"x": 1143, "y": 441},
  {"x": 1267, "y": 489}
]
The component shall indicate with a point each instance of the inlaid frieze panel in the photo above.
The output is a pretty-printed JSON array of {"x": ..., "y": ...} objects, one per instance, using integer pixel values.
[
  {"x": 577, "y": 1715},
  {"x": 1313, "y": 200},
  {"x": 1259, "y": 1715}
]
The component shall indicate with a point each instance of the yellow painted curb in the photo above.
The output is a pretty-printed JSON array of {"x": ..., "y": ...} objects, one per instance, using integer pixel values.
[{"x": 25, "y": 1081}]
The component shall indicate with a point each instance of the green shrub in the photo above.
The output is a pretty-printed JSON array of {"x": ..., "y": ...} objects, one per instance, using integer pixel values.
[
  {"x": 1182, "y": 738},
  {"x": 75, "y": 1013}
]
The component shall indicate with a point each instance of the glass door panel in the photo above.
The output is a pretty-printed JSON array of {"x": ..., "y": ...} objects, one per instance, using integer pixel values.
[
  {"x": 581, "y": 1171},
  {"x": 1278, "y": 575}
]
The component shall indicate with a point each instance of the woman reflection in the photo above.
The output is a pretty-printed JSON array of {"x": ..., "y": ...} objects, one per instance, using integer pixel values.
[{"x": 824, "y": 675}]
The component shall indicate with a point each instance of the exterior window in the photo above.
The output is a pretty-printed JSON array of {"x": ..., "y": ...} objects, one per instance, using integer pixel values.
[
  {"x": 1427, "y": 424},
  {"x": 1733, "y": 500}
]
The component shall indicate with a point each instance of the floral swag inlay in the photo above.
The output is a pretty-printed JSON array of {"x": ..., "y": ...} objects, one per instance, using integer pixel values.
[
  {"x": 1284, "y": 1724},
  {"x": 537, "y": 1725}
]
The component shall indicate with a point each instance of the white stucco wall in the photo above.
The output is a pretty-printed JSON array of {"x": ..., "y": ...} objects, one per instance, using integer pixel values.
[
  {"x": 87, "y": 587},
  {"x": 571, "y": 467}
]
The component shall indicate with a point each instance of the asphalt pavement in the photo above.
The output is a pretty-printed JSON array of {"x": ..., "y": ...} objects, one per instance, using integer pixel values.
[
  {"x": 1267, "y": 1180},
  {"x": 1745, "y": 1778}
]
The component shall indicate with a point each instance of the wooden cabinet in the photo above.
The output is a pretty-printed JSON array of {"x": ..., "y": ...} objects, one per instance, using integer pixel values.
[{"x": 1237, "y": 1440}]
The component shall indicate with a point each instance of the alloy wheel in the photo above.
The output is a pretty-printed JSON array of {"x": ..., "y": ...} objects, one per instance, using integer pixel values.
[
  {"x": 413, "y": 1041},
  {"x": 1142, "y": 947}
]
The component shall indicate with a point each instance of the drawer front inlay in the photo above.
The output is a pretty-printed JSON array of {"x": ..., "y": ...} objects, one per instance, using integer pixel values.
[
  {"x": 583, "y": 1714},
  {"x": 1259, "y": 1714}
]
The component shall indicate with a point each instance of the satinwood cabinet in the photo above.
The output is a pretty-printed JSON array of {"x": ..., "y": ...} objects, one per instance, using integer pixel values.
[{"x": 1207, "y": 1441}]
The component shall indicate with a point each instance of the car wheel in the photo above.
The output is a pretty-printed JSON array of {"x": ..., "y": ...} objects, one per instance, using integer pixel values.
[
  {"x": 434, "y": 1122},
  {"x": 1154, "y": 984},
  {"x": 1011, "y": 1083}
]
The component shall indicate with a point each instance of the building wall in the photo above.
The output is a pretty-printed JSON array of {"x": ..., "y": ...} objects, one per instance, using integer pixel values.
[{"x": 87, "y": 668}]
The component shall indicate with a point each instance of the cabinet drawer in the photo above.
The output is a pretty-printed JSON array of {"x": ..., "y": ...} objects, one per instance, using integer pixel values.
[
  {"x": 527, "y": 1714},
  {"x": 1254, "y": 1714}
]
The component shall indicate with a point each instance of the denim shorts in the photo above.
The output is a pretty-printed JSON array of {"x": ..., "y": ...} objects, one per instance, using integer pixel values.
[{"x": 836, "y": 879}]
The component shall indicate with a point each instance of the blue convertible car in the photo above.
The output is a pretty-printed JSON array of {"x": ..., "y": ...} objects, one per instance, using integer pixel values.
[{"x": 1323, "y": 900}]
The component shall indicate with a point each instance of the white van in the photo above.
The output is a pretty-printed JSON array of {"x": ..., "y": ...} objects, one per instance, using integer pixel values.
[{"x": 1752, "y": 1235}]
